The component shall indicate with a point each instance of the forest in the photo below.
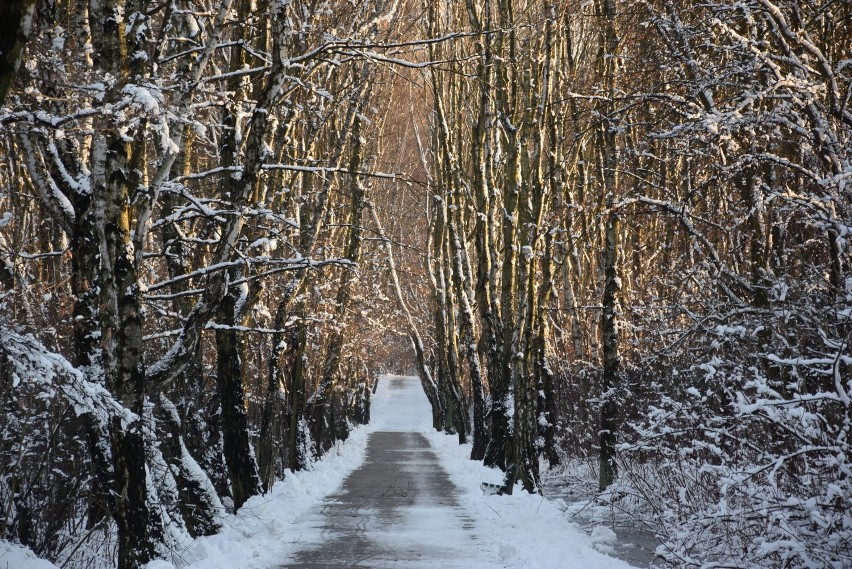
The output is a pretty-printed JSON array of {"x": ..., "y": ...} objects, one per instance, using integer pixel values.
[{"x": 612, "y": 233}]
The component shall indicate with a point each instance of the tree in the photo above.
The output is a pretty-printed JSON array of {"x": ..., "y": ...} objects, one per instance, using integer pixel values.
[
  {"x": 16, "y": 17},
  {"x": 121, "y": 143}
]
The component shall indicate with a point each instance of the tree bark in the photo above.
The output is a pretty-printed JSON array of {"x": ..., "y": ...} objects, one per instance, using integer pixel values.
[
  {"x": 239, "y": 457},
  {"x": 610, "y": 380},
  {"x": 16, "y": 17}
]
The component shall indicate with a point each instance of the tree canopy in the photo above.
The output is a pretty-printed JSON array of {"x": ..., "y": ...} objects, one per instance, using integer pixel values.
[{"x": 612, "y": 232}]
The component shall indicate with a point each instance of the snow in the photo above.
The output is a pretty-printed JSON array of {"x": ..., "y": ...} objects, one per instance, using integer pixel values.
[
  {"x": 517, "y": 531},
  {"x": 146, "y": 98},
  {"x": 526, "y": 530},
  {"x": 603, "y": 539},
  {"x": 16, "y": 556},
  {"x": 33, "y": 362}
]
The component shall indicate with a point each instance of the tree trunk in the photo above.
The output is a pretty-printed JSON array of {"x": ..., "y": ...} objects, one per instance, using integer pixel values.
[
  {"x": 299, "y": 453},
  {"x": 610, "y": 380},
  {"x": 501, "y": 375},
  {"x": 611, "y": 359},
  {"x": 239, "y": 457},
  {"x": 467, "y": 327},
  {"x": 139, "y": 525},
  {"x": 84, "y": 278},
  {"x": 321, "y": 423},
  {"x": 199, "y": 503},
  {"x": 545, "y": 382},
  {"x": 16, "y": 18}
]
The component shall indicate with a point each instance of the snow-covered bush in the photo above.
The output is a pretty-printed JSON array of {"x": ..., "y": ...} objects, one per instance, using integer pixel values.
[
  {"x": 45, "y": 469},
  {"x": 745, "y": 458}
]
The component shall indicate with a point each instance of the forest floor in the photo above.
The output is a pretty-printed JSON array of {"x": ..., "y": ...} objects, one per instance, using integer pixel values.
[{"x": 395, "y": 494}]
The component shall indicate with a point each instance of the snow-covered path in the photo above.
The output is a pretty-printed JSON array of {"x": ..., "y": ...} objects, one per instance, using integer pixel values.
[
  {"x": 398, "y": 510},
  {"x": 395, "y": 494},
  {"x": 402, "y": 508}
]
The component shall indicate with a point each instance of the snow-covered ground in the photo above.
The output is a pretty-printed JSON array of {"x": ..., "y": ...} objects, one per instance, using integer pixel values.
[
  {"x": 16, "y": 557},
  {"x": 521, "y": 531},
  {"x": 615, "y": 513}
]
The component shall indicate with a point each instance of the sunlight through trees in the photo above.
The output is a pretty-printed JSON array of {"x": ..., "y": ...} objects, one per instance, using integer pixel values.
[{"x": 610, "y": 233}]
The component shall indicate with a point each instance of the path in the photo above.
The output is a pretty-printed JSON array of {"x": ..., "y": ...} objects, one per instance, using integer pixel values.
[
  {"x": 415, "y": 503},
  {"x": 396, "y": 494},
  {"x": 400, "y": 509}
]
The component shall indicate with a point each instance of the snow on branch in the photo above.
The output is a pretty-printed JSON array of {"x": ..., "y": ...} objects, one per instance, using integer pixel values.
[{"x": 31, "y": 362}]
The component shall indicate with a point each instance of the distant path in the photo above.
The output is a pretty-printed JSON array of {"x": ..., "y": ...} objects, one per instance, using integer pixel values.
[{"x": 400, "y": 509}]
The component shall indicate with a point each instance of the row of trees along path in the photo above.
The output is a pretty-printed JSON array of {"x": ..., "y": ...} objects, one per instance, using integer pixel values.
[{"x": 609, "y": 233}]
